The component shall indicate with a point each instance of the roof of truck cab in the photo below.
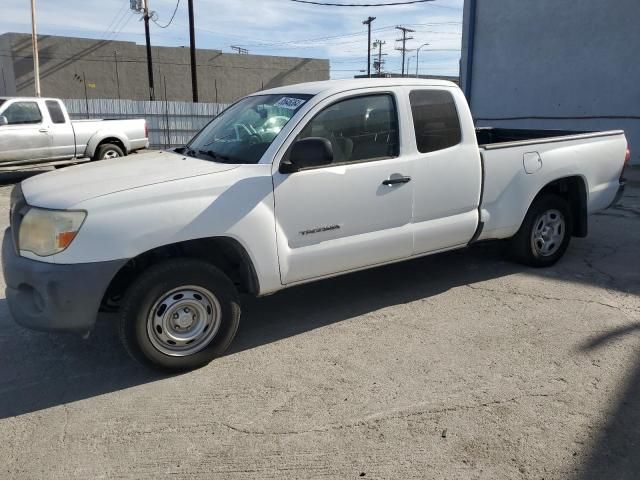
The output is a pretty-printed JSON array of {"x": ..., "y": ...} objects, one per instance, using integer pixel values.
[{"x": 336, "y": 86}]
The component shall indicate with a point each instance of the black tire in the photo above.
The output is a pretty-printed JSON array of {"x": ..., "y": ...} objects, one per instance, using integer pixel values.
[
  {"x": 523, "y": 246},
  {"x": 136, "y": 319},
  {"x": 107, "y": 151}
]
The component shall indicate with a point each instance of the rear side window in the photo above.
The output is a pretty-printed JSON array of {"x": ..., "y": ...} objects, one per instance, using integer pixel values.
[
  {"x": 55, "y": 111},
  {"x": 20, "y": 113},
  {"x": 359, "y": 128},
  {"x": 435, "y": 120}
]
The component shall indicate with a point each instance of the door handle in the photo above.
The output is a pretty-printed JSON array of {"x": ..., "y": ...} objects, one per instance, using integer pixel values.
[
  {"x": 395, "y": 181},
  {"x": 43, "y": 130}
]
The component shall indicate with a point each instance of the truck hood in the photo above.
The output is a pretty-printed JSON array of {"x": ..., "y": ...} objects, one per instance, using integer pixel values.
[{"x": 64, "y": 188}]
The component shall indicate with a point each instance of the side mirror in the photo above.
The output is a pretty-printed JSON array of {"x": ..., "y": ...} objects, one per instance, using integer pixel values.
[
  {"x": 3, "y": 120},
  {"x": 308, "y": 152}
]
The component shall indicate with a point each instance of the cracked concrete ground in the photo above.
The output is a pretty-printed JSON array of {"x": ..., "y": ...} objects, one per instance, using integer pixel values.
[{"x": 461, "y": 365}]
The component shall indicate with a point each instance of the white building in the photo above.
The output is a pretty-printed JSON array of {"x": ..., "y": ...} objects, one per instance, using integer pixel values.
[{"x": 554, "y": 64}]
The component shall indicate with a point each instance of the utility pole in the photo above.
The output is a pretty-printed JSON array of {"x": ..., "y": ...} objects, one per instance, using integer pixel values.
[
  {"x": 147, "y": 17},
  {"x": 378, "y": 63},
  {"x": 404, "y": 39},
  {"x": 86, "y": 94},
  {"x": 115, "y": 59},
  {"x": 367, "y": 22},
  {"x": 240, "y": 50},
  {"x": 192, "y": 47},
  {"x": 34, "y": 45}
]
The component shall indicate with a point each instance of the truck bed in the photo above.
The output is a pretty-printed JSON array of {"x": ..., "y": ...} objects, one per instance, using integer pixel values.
[{"x": 518, "y": 163}]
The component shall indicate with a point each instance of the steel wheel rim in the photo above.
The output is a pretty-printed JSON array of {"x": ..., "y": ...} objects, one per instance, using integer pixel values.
[
  {"x": 184, "y": 320},
  {"x": 548, "y": 232},
  {"x": 110, "y": 154}
]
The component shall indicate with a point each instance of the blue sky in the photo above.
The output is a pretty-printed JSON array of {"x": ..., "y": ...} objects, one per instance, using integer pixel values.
[{"x": 269, "y": 27}]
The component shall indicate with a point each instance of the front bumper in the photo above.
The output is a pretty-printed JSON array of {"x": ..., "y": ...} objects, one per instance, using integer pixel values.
[{"x": 52, "y": 297}]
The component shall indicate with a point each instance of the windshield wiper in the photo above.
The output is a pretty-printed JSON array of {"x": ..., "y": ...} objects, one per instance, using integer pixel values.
[
  {"x": 214, "y": 155},
  {"x": 186, "y": 151}
]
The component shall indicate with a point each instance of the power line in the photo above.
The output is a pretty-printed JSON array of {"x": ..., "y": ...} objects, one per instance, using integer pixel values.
[
  {"x": 175, "y": 10},
  {"x": 311, "y": 45},
  {"x": 115, "y": 17},
  {"x": 309, "y": 40},
  {"x": 117, "y": 24},
  {"x": 391, "y": 4},
  {"x": 113, "y": 35},
  {"x": 258, "y": 43}
]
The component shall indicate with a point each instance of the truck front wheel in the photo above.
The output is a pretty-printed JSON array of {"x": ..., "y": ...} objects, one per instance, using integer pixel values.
[
  {"x": 545, "y": 232},
  {"x": 179, "y": 315}
]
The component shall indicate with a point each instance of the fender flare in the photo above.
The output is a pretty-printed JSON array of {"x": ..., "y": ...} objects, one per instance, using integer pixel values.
[{"x": 100, "y": 136}]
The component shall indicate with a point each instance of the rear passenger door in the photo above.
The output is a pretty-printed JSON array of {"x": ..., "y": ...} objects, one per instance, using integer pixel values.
[
  {"x": 446, "y": 168},
  {"x": 26, "y": 137},
  {"x": 356, "y": 211}
]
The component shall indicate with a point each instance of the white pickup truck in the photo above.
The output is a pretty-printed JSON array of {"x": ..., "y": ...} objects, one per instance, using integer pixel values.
[
  {"x": 39, "y": 130},
  {"x": 289, "y": 186}
]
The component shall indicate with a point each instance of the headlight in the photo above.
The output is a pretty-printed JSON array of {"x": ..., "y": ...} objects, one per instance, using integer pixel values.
[{"x": 45, "y": 232}]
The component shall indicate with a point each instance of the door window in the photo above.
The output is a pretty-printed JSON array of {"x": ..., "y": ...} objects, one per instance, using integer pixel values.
[
  {"x": 359, "y": 129},
  {"x": 435, "y": 120},
  {"x": 55, "y": 111},
  {"x": 22, "y": 113}
]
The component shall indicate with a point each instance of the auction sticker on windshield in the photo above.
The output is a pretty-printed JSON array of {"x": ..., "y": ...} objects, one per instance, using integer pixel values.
[{"x": 289, "y": 103}]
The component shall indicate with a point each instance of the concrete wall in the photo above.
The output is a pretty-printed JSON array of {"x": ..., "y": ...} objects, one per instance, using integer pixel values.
[
  {"x": 222, "y": 77},
  {"x": 573, "y": 65},
  {"x": 7, "y": 77}
]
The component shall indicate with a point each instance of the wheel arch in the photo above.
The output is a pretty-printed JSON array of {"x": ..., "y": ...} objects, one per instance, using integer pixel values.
[
  {"x": 573, "y": 189},
  {"x": 98, "y": 140},
  {"x": 226, "y": 253}
]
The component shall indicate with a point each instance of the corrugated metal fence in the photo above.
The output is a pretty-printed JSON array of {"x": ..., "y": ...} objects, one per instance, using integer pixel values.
[{"x": 170, "y": 123}]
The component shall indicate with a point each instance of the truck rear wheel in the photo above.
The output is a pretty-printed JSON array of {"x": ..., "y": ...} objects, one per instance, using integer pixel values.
[
  {"x": 179, "y": 315},
  {"x": 108, "y": 151},
  {"x": 545, "y": 232}
]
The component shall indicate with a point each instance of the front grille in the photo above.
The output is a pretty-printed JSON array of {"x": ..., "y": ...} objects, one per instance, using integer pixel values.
[{"x": 18, "y": 209}]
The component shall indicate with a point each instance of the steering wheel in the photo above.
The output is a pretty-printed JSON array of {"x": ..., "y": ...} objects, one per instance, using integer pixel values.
[{"x": 243, "y": 131}]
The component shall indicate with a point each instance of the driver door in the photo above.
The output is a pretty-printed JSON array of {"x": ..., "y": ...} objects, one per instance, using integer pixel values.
[
  {"x": 346, "y": 215},
  {"x": 26, "y": 137}
]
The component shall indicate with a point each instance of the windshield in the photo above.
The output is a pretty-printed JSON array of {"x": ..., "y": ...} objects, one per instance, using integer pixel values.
[{"x": 243, "y": 132}]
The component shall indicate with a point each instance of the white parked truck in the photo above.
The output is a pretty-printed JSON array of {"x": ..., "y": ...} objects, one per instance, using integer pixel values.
[
  {"x": 39, "y": 130},
  {"x": 288, "y": 186}
]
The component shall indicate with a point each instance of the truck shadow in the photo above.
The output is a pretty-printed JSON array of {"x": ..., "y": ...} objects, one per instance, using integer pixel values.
[
  {"x": 315, "y": 305},
  {"x": 39, "y": 370},
  {"x": 614, "y": 453}
]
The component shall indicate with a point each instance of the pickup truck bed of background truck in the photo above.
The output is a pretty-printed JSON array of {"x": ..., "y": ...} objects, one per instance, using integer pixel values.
[
  {"x": 39, "y": 130},
  {"x": 285, "y": 187}
]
